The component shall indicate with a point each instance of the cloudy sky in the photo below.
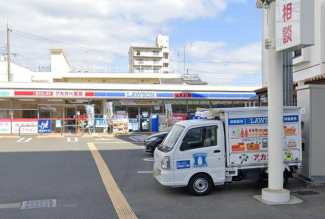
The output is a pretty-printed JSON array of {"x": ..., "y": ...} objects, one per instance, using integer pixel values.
[{"x": 222, "y": 37}]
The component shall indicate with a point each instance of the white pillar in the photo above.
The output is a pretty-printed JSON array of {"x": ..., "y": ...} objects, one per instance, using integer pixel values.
[{"x": 275, "y": 191}]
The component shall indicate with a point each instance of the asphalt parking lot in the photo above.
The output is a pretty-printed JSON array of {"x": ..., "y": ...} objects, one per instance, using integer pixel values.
[{"x": 79, "y": 174}]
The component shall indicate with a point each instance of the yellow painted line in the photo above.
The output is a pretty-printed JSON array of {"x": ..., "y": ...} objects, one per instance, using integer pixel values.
[{"x": 122, "y": 207}]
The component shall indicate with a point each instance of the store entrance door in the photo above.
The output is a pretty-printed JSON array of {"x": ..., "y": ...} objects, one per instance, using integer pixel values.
[
  {"x": 145, "y": 123},
  {"x": 133, "y": 113},
  {"x": 139, "y": 119},
  {"x": 69, "y": 119}
]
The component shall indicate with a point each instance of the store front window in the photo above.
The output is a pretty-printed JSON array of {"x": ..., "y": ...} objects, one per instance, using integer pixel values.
[
  {"x": 194, "y": 104},
  {"x": 221, "y": 104}
]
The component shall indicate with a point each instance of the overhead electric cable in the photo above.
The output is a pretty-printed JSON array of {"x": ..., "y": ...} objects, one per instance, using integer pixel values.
[{"x": 66, "y": 44}]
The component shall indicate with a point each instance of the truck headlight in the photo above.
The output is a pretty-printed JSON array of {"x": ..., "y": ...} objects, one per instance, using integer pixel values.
[{"x": 165, "y": 163}]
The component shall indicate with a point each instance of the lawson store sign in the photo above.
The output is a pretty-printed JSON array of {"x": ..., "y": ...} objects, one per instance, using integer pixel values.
[{"x": 76, "y": 94}]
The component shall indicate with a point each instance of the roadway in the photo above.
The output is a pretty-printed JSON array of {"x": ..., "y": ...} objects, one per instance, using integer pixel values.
[{"x": 111, "y": 178}]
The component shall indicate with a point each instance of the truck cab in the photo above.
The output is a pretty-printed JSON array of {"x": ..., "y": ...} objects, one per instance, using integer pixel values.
[{"x": 192, "y": 153}]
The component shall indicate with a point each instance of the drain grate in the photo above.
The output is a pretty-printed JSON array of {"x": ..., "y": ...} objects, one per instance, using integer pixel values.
[
  {"x": 38, "y": 204},
  {"x": 307, "y": 193}
]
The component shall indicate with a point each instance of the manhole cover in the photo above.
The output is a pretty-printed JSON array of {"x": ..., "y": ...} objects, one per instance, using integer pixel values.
[
  {"x": 38, "y": 204},
  {"x": 307, "y": 193}
]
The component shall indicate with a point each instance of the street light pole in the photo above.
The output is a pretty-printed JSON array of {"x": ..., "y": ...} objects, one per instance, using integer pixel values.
[{"x": 275, "y": 191}]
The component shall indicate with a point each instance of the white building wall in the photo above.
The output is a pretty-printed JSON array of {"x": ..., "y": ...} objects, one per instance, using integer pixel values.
[
  {"x": 18, "y": 73},
  {"x": 308, "y": 64},
  {"x": 59, "y": 62}
]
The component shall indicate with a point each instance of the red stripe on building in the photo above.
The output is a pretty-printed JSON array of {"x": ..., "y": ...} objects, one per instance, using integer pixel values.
[
  {"x": 90, "y": 94},
  {"x": 24, "y": 93}
]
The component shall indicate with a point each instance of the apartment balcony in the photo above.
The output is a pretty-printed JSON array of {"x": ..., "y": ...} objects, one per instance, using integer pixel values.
[
  {"x": 147, "y": 70},
  {"x": 148, "y": 63},
  {"x": 148, "y": 54},
  {"x": 165, "y": 60}
]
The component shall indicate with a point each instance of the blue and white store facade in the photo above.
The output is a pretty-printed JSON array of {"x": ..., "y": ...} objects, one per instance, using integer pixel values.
[{"x": 60, "y": 107}]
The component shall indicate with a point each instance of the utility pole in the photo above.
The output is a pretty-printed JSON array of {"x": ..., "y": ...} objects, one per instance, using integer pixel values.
[{"x": 8, "y": 51}]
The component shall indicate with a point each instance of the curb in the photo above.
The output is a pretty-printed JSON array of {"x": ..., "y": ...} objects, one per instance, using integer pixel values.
[{"x": 9, "y": 137}]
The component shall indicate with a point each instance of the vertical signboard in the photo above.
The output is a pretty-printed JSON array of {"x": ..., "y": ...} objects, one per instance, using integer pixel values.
[
  {"x": 294, "y": 24},
  {"x": 169, "y": 113},
  {"x": 90, "y": 109}
]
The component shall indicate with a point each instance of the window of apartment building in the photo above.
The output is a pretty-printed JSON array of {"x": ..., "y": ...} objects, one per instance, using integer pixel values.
[
  {"x": 140, "y": 61},
  {"x": 156, "y": 70},
  {"x": 297, "y": 53},
  {"x": 140, "y": 69},
  {"x": 138, "y": 52},
  {"x": 155, "y": 61},
  {"x": 155, "y": 52}
]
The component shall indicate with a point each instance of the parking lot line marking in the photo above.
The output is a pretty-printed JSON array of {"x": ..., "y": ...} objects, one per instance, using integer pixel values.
[
  {"x": 20, "y": 139},
  {"x": 145, "y": 171},
  {"x": 28, "y": 140},
  {"x": 122, "y": 207},
  {"x": 133, "y": 139}
]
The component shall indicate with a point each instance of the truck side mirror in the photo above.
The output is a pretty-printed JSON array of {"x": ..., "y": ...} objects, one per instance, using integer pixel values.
[{"x": 184, "y": 146}]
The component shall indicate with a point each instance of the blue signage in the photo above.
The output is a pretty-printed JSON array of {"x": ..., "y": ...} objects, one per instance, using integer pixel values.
[
  {"x": 183, "y": 164},
  {"x": 236, "y": 121},
  {"x": 256, "y": 120},
  {"x": 200, "y": 160},
  {"x": 141, "y": 94},
  {"x": 44, "y": 126},
  {"x": 260, "y": 120},
  {"x": 101, "y": 123},
  {"x": 287, "y": 119}
]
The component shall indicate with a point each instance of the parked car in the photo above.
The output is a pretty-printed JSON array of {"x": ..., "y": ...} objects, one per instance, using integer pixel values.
[{"x": 152, "y": 141}]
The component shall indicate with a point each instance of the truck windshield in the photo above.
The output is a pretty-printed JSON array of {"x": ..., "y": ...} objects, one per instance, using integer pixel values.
[{"x": 173, "y": 136}]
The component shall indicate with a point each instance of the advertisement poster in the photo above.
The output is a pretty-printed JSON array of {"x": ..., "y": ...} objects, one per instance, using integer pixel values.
[
  {"x": 101, "y": 123},
  {"x": 5, "y": 126},
  {"x": 44, "y": 126},
  {"x": 58, "y": 124},
  {"x": 90, "y": 109},
  {"x": 169, "y": 113},
  {"x": 26, "y": 126},
  {"x": 248, "y": 139},
  {"x": 109, "y": 106}
]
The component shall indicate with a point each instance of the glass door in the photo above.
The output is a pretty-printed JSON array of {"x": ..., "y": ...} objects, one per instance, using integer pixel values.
[
  {"x": 133, "y": 113},
  {"x": 69, "y": 119},
  {"x": 145, "y": 115}
]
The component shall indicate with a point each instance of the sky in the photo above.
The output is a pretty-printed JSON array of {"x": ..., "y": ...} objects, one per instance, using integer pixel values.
[{"x": 222, "y": 38}]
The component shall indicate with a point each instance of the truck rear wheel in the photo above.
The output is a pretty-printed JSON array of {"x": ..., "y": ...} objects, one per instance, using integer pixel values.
[{"x": 200, "y": 184}]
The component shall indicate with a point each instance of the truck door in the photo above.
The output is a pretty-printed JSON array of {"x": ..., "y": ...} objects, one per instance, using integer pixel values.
[{"x": 200, "y": 151}]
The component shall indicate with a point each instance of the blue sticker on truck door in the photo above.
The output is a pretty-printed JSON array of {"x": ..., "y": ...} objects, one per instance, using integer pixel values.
[
  {"x": 200, "y": 160},
  {"x": 183, "y": 164}
]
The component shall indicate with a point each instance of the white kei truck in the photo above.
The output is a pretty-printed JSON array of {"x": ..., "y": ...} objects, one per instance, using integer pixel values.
[{"x": 224, "y": 145}]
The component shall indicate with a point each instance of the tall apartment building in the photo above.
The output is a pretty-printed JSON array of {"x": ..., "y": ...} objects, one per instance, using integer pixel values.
[{"x": 150, "y": 59}]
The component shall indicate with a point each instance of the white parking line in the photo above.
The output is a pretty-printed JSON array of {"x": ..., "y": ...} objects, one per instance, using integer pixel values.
[
  {"x": 28, "y": 140},
  {"x": 133, "y": 139},
  {"x": 75, "y": 140},
  {"x": 149, "y": 159},
  {"x": 145, "y": 171},
  {"x": 22, "y": 140}
]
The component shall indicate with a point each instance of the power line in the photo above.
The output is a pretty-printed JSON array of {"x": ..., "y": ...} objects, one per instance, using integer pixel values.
[{"x": 66, "y": 44}]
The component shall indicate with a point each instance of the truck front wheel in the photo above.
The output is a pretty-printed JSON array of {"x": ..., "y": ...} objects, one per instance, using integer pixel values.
[{"x": 200, "y": 184}]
